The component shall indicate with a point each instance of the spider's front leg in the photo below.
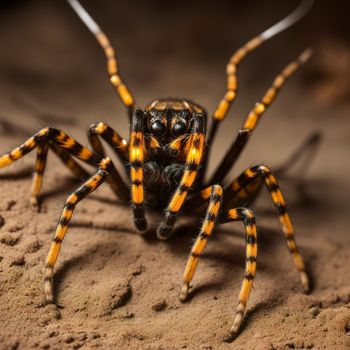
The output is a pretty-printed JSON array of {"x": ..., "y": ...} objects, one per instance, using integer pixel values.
[
  {"x": 88, "y": 187},
  {"x": 225, "y": 103},
  {"x": 215, "y": 195},
  {"x": 136, "y": 157},
  {"x": 254, "y": 117},
  {"x": 194, "y": 160},
  {"x": 112, "y": 63}
]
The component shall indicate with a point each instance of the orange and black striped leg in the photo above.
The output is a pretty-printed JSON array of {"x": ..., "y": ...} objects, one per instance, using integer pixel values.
[
  {"x": 214, "y": 194},
  {"x": 88, "y": 187},
  {"x": 248, "y": 219},
  {"x": 119, "y": 144},
  {"x": 40, "y": 165},
  {"x": 38, "y": 140},
  {"x": 112, "y": 63},
  {"x": 72, "y": 147},
  {"x": 253, "y": 118},
  {"x": 57, "y": 140},
  {"x": 193, "y": 162},
  {"x": 231, "y": 85},
  {"x": 71, "y": 164},
  {"x": 238, "y": 214},
  {"x": 231, "y": 68},
  {"x": 239, "y": 189},
  {"x": 136, "y": 156},
  {"x": 197, "y": 201},
  {"x": 50, "y": 136}
]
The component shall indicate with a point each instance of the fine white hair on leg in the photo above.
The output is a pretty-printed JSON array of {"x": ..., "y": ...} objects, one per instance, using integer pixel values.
[
  {"x": 288, "y": 21},
  {"x": 84, "y": 16}
]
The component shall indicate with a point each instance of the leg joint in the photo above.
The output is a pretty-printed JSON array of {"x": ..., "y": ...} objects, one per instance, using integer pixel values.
[
  {"x": 263, "y": 170},
  {"x": 97, "y": 128},
  {"x": 248, "y": 214},
  {"x": 46, "y": 133},
  {"x": 105, "y": 163}
]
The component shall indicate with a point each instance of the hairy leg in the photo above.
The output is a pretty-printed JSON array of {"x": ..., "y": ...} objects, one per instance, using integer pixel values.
[
  {"x": 60, "y": 140},
  {"x": 88, "y": 187},
  {"x": 240, "y": 189}
]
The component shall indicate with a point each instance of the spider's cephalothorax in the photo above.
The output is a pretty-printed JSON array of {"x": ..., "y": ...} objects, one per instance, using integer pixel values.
[
  {"x": 168, "y": 124},
  {"x": 165, "y": 158}
]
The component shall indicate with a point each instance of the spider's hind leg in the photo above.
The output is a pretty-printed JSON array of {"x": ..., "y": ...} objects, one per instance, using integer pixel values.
[
  {"x": 65, "y": 147},
  {"x": 302, "y": 158},
  {"x": 40, "y": 142},
  {"x": 215, "y": 195},
  {"x": 70, "y": 163},
  {"x": 40, "y": 165}
]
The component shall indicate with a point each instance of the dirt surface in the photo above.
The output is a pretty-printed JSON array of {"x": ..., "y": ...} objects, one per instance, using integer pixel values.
[{"x": 115, "y": 289}]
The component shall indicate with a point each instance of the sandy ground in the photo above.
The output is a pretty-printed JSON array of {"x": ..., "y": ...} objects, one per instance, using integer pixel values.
[{"x": 116, "y": 289}]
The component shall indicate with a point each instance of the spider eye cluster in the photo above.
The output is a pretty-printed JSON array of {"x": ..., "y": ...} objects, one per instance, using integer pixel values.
[{"x": 158, "y": 128}]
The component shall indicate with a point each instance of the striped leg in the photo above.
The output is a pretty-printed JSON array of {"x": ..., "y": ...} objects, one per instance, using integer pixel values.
[
  {"x": 193, "y": 162},
  {"x": 38, "y": 140},
  {"x": 119, "y": 145},
  {"x": 112, "y": 63},
  {"x": 71, "y": 164},
  {"x": 56, "y": 136},
  {"x": 238, "y": 214},
  {"x": 136, "y": 156},
  {"x": 197, "y": 201},
  {"x": 231, "y": 69},
  {"x": 254, "y": 116},
  {"x": 214, "y": 194},
  {"x": 239, "y": 187},
  {"x": 40, "y": 165},
  {"x": 88, "y": 187},
  {"x": 306, "y": 151},
  {"x": 60, "y": 140},
  {"x": 248, "y": 219}
]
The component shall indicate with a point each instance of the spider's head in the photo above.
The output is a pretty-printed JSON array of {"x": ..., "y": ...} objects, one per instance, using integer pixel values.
[
  {"x": 168, "y": 125},
  {"x": 168, "y": 120}
]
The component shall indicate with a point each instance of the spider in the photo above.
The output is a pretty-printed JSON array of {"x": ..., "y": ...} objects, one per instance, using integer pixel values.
[{"x": 166, "y": 159}]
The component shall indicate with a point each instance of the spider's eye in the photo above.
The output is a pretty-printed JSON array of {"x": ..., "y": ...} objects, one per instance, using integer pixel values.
[
  {"x": 179, "y": 128},
  {"x": 158, "y": 128}
]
